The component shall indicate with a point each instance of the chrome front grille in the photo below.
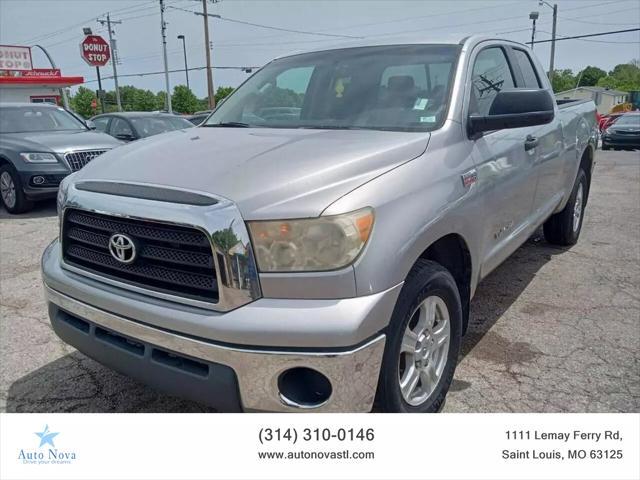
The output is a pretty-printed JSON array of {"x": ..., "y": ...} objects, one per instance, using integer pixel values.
[
  {"x": 77, "y": 160},
  {"x": 170, "y": 258}
]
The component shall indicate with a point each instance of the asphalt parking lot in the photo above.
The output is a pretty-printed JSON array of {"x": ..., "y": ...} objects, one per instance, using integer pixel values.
[{"x": 552, "y": 330}]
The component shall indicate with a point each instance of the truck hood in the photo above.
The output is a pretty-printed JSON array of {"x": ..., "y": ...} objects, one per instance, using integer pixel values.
[
  {"x": 268, "y": 173},
  {"x": 59, "y": 142}
]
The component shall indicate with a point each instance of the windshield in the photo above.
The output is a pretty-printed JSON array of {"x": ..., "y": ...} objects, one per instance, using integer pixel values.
[
  {"x": 37, "y": 119},
  {"x": 628, "y": 120},
  {"x": 399, "y": 87},
  {"x": 148, "y": 126}
]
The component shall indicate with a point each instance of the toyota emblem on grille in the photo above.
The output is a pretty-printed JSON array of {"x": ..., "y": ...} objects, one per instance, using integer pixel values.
[{"x": 122, "y": 248}]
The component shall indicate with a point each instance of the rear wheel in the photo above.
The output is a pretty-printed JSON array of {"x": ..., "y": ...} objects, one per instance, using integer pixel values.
[
  {"x": 11, "y": 193},
  {"x": 605, "y": 147},
  {"x": 564, "y": 227},
  {"x": 423, "y": 342}
]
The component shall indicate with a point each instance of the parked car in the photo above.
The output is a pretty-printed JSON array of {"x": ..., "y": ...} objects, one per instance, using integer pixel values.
[
  {"x": 40, "y": 144},
  {"x": 624, "y": 132},
  {"x": 129, "y": 126},
  {"x": 320, "y": 262},
  {"x": 606, "y": 121},
  {"x": 198, "y": 117}
]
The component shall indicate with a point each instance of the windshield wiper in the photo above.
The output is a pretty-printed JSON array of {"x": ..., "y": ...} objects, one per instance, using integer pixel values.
[{"x": 227, "y": 124}]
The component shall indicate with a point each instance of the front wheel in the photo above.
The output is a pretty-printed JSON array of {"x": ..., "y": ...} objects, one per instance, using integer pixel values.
[
  {"x": 564, "y": 227},
  {"x": 11, "y": 194},
  {"x": 423, "y": 341}
]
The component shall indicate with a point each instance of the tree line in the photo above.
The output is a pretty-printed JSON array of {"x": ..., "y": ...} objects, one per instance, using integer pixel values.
[
  {"x": 86, "y": 103},
  {"x": 624, "y": 77}
]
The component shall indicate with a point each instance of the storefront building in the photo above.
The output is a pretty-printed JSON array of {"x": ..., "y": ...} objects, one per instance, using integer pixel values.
[{"x": 20, "y": 82}]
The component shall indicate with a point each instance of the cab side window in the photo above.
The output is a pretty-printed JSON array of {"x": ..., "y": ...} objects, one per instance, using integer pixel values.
[
  {"x": 490, "y": 74},
  {"x": 120, "y": 127},
  {"x": 526, "y": 68},
  {"x": 101, "y": 123}
]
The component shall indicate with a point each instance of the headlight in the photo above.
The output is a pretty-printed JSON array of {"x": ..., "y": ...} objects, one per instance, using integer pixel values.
[
  {"x": 36, "y": 157},
  {"x": 315, "y": 244}
]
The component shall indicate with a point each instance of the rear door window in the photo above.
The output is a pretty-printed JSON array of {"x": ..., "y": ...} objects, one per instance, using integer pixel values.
[{"x": 527, "y": 69}]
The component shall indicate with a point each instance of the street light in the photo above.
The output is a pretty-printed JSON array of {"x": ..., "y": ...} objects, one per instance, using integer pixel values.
[
  {"x": 533, "y": 16},
  {"x": 553, "y": 34},
  {"x": 184, "y": 49}
]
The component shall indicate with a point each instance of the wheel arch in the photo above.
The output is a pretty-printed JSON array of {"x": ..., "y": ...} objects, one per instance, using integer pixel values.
[
  {"x": 586, "y": 164},
  {"x": 452, "y": 252}
]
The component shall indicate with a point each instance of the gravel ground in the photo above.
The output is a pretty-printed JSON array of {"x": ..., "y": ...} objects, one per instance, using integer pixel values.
[{"x": 552, "y": 330}]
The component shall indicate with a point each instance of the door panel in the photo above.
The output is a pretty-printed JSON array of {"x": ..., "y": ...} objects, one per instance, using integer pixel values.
[
  {"x": 506, "y": 176},
  {"x": 506, "y": 180}
]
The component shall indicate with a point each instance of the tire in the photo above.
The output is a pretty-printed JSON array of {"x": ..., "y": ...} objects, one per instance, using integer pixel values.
[
  {"x": 428, "y": 284},
  {"x": 564, "y": 227},
  {"x": 15, "y": 202},
  {"x": 605, "y": 147}
]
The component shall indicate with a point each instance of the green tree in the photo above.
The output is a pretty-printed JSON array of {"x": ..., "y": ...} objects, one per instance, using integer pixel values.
[
  {"x": 183, "y": 100},
  {"x": 222, "y": 92},
  {"x": 625, "y": 77},
  {"x": 161, "y": 100},
  {"x": 563, "y": 80},
  {"x": 81, "y": 102},
  {"x": 589, "y": 76},
  {"x": 144, "y": 101}
]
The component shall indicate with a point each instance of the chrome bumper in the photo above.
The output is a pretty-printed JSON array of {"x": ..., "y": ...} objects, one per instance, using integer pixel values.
[{"x": 353, "y": 373}]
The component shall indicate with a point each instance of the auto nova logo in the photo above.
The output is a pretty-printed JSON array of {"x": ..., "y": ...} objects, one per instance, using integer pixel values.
[{"x": 46, "y": 453}]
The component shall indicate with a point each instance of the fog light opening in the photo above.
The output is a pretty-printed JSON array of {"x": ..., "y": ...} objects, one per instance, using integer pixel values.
[
  {"x": 38, "y": 180},
  {"x": 303, "y": 387}
]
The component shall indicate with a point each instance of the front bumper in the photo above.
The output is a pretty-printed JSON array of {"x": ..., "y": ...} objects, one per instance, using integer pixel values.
[
  {"x": 228, "y": 378},
  {"x": 49, "y": 177},
  {"x": 243, "y": 351},
  {"x": 623, "y": 141}
]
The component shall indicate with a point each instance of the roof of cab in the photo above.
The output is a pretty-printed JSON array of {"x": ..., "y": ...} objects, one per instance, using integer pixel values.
[{"x": 413, "y": 39}]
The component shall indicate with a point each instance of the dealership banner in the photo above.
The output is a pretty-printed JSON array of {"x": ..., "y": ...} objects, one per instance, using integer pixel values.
[{"x": 332, "y": 446}]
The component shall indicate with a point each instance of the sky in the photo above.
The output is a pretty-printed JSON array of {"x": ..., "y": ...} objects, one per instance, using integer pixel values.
[{"x": 57, "y": 26}]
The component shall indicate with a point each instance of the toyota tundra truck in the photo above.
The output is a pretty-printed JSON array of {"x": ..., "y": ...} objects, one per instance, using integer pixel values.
[{"x": 314, "y": 245}]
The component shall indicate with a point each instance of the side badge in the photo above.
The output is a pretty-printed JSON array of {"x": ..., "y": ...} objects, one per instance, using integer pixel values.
[{"x": 469, "y": 178}]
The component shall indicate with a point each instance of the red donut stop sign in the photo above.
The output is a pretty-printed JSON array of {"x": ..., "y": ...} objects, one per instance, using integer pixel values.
[{"x": 95, "y": 51}]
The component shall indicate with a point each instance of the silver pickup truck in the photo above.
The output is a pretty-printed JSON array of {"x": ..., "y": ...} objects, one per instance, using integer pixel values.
[{"x": 315, "y": 244}]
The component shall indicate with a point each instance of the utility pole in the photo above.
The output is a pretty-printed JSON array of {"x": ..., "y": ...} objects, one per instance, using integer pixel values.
[
  {"x": 205, "y": 17},
  {"x": 184, "y": 50},
  {"x": 533, "y": 16},
  {"x": 553, "y": 40},
  {"x": 114, "y": 55},
  {"x": 163, "y": 26},
  {"x": 100, "y": 96}
]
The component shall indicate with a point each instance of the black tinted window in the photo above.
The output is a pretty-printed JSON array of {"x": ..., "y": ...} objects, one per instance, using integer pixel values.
[
  {"x": 101, "y": 123},
  {"x": 120, "y": 127},
  {"x": 527, "y": 69},
  {"x": 491, "y": 73}
]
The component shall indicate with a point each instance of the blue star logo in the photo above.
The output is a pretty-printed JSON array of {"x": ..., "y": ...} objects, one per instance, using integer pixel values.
[{"x": 46, "y": 437}]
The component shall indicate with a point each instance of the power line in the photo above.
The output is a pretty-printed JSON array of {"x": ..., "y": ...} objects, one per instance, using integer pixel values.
[
  {"x": 180, "y": 70},
  {"x": 574, "y": 37},
  {"x": 269, "y": 27},
  {"x": 594, "y": 41}
]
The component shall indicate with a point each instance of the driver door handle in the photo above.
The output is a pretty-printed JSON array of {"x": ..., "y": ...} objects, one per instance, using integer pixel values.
[{"x": 531, "y": 142}]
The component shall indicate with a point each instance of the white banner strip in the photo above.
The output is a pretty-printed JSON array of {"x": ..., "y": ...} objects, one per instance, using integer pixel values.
[{"x": 336, "y": 446}]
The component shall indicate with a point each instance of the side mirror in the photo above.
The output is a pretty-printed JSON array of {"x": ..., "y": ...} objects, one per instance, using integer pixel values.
[
  {"x": 127, "y": 137},
  {"x": 90, "y": 125},
  {"x": 515, "y": 108}
]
